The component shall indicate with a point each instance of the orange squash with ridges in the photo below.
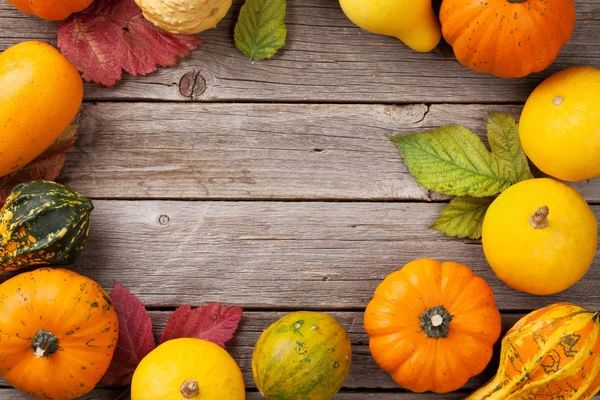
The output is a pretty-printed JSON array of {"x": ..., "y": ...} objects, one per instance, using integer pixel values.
[{"x": 551, "y": 353}]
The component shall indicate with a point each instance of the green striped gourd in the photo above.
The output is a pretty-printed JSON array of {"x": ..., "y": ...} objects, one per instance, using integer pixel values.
[
  {"x": 42, "y": 223},
  {"x": 552, "y": 353},
  {"x": 303, "y": 356}
]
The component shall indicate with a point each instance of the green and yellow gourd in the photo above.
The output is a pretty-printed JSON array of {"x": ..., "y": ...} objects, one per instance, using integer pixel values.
[
  {"x": 42, "y": 223},
  {"x": 551, "y": 353},
  {"x": 303, "y": 356}
]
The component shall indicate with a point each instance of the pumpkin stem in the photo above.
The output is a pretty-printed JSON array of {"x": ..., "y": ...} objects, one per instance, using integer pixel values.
[
  {"x": 44, "y": 343},
  {"x": 189, "y": 389},
  {"x": 539, "y": 219},
  {"x": 435, "y": 322}
]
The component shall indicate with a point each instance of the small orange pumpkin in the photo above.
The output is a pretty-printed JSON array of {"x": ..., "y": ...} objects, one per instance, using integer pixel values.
[
  {"x": 52, "y": 10},
  {"x": 507, "y": 38},
  {"x": 432, "y": 325},
  {"x": 58, "y": 332}
]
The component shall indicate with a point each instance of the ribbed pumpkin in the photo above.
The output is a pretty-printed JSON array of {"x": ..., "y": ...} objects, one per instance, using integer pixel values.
[
  {"x": 303, "y": 356},
  {"x": 54, "y": 10},
  {"x": 507, "y": 38},
  {"x": 58, "y": 332},
  {"x": 42, "y": 223},
  {"x": 552, "y": 353},
  {"x": 432, "y": 325}
]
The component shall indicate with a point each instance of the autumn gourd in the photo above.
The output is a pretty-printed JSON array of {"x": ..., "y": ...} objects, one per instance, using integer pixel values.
[
  {"x": 184, "y": 16},
  {"x": 507, "y": 38},
  {"x": 302, "y": 356},
  {"x": 54, "y": 10},
  {"x": 540, "y": 236},
  {"x": 59, "y": 330},
  {"x": 42, "y": 222},
  {"x": 188, "y": 368},
  {"x": 40, "y": 94},
  {"x": 551, "y": 353},
  {"x": 559, "y": 127},
  {"x": 432, "y": 325},
  {"x": 414, "y": 22}
]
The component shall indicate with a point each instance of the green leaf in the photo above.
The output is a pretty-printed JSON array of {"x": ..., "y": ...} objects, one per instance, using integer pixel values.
[
  {"x": 463, "y": 217},
  {"x": 503, "y": 135},
  {"x": 260, "y": 30},
  {"x": 452, "y": 160}
]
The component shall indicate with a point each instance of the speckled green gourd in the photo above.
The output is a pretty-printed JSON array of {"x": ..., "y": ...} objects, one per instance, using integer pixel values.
[
  {"x": 303, "y": 356},
  {"x": 42, "y": 223}
]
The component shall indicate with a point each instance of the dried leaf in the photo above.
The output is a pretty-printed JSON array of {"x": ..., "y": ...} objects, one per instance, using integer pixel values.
[
  {"x": 135, "y": 337},
  {"x": 46, "y": 166},
  {"x": 112, "y": 35},
  {"x": 213, "y": 322}
]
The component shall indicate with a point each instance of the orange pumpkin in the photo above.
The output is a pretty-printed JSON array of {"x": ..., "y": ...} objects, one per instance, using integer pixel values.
[
  {"x": 432, "y": 325},
  {"x": 507, "y": 38},
  {"x": 53, "y": 10},
  {"x": 58, "y": 331}
]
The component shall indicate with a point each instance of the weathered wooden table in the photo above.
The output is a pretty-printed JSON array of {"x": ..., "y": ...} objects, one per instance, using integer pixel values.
[{"x": 272, "y": 185}]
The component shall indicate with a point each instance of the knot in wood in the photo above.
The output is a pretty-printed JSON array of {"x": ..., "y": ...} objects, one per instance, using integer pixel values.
[{"x": 192, "y": 85}]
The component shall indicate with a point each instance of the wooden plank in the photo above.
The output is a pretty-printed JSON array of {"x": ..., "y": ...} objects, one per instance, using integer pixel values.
[
  {"x": 326, "y": 59},
  {"x": 258, "y": 151},
  {"x": 99, "y": 394},
  {"x": 364, "y": 372},
  {"x": 269, "y": 255}
]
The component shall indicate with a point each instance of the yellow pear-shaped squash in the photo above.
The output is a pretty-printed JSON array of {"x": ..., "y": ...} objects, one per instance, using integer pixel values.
[
  {"x": 188, "y": 369},
  {"x": 412, "y": 21},
  {"x": 540, "y": 236}
]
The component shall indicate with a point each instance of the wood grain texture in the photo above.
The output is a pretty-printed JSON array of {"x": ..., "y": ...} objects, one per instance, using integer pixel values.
[
  {"x": 326, "y": 59},
  {"x": 258, "y": 151},
  {"x": 364, "y": 372},
  {"x": 269, "y": 255},
  {"x": 99, "y": 394}
]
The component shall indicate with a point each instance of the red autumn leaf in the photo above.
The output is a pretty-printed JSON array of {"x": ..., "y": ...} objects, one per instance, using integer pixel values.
[
  {"x": 213, "y": 322},
  {"x": 135, "y": 337},
  {"x": 46, "y": 166},
  {"x": 112, "y": 35}
]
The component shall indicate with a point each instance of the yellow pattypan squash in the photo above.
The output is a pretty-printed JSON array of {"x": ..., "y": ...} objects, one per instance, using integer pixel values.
[
  {"x": 189, "y": 369},
  {"x": 540, "y": 236},
  {"x": 560, "y": 125}
]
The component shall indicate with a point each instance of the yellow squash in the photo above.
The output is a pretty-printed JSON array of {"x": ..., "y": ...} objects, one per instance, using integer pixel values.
[
  {"x": 540, "y": 236},
  {"x": 560, "y": 124},
  {"x": 188, "y": 369},
  {"x": 412, "y": 21},
  {"x": 552, "y": 353},
  {"x": 40, "y": 94}
]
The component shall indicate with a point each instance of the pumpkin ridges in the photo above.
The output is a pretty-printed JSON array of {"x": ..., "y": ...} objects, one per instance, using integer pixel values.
[
  {"x": 398, "y": 341},
  {"x": 502, "y": 39},
  {"x": 51, "y": 299}
]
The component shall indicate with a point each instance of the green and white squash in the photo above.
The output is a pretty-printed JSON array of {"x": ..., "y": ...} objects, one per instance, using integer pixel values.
[
  {"x": 42, "y": 223},
  {"x": 303, "y": 356}
]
